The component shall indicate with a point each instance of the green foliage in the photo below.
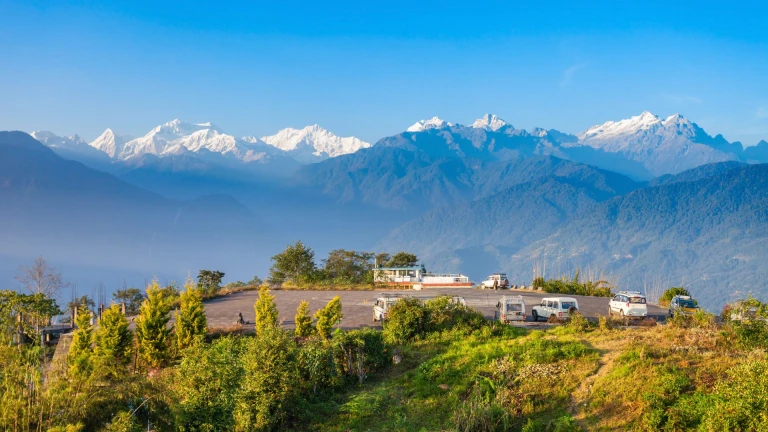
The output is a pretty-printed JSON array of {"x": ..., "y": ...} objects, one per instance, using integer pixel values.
[
  {"x": 406, "y": 320},
  {"x": 256, "y": 281},
  {"x": 132, "y": 297},
  {"x": 328, "y": 317},
  {"x": 364, "y": 352},
  {"x": 349, "y": 267},
  {"x": 303, "y": 321},
  {"x": 321, "y": 365},
  {"x": 574, "y": 286},
  {"x": 671, "y": 293},
  {"x": 210, "y": 281},
  {"x": 270, "y": 387},
  {"x": 191, "y": 323},
  {"x": 295, "y": 264},
  {"x": 266, "y": 311},
  {"x": 123, "y": 422},
  {"x": 113, "y": 339},
  {"x": 152, "y": 333},
  {"x": 740, "y": 402},
  {"x": 82, "y": 341},
  {"x": 206, "y": 385},
  {"x": 76, "y": 303},
  {"x": 35, "y": 309},
  {"x": 402, "y": 259}
]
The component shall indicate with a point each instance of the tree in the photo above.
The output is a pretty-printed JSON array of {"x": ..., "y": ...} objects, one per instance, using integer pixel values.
[
  {"x": 35, "y": 309},
  {"x": 132, "y": 297},
  {"x": 349, "y": 266},
  {"x": 303, "y": 320},
  {"x": 210, "y": 280},
  {"x": 256, "y": 281},
  {"x": 39, "y": 278},
  {"x": 403, "y": 259},
  {"x": 76, "y": 303},
  {"x": 295, "y": 264},
  {"x": 328, "y": 317},
  {"x": 82, "y": 340},
  {"x": 190, "y": 319},
  {"x": 152, "y": 333},
  {"x": 266, "y": 311},
  {"x": 383, "y": 259},
  {"x": 113, "y": 339},
  {"x": 671, "y": 293}
]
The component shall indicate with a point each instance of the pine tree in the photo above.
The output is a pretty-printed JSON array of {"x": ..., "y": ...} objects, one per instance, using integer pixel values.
[
  {"x": 328, "y": 316},
  {"x": 190, "y": 319},
  {"x": 113, "y": 339},
  {"x": 151, "y": 331},
  {"x": 303, "y": 320},
  {"x": 82, "y": 341},
  {"x": 266, "y": 311}
]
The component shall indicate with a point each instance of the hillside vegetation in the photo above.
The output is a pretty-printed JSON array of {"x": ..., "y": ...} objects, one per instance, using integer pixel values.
[{"x": 436, "y": 366}]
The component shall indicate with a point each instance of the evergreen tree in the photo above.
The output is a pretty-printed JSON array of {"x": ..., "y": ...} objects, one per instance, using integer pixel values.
[
  {"x": 151, "y": 331},
  {"x": 113, "y": 339},
  {"x": 303, "y": 320},
  {"x": 82, "y": 341},
  {"x": 328, "y": 317},
  {"x": 266, "y": 311},
  {"x": 190, "y": 319}
]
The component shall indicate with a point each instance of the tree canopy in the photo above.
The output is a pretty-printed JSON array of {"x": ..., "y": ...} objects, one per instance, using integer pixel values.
[{"x": 295, "y": 264}]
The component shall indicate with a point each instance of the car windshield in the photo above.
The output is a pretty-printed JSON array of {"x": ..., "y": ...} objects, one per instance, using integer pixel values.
[
  {"x": 687, "y": 303},
  {"x": 568, "y": 304},
  {"x": 514, "y": 307},
  {"x": 639, "y": 300}
]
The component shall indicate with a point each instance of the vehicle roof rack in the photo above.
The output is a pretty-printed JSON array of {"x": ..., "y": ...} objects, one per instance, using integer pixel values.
[{"x": 631, "y": 292}]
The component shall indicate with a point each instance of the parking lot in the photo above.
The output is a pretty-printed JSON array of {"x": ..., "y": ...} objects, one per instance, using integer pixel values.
[{"x": 357, "y": 306}]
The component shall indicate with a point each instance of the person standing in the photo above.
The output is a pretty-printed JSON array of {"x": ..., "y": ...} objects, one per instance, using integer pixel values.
[{"x": 495, "y": 284}]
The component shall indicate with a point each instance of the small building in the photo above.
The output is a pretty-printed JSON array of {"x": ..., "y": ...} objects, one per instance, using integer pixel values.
[{"x": 399, "y": 275}]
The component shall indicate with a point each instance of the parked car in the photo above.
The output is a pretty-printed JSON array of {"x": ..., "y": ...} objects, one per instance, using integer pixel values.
[
  {"x": 628, "y": 304},
  {"x": 559, "y": 308},
  {"x": 382, "y": 306},
  {"x": 510, "y": 308},
  {"x": 458, "y": 300},
  {"x": 683, "y": 305},
  {"x": 498, "y": 279}
]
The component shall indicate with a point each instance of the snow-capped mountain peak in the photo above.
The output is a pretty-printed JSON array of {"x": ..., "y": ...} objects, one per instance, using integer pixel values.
[
  {"x": 110, "y": 143},
  {"x": 490, "y": 122},
  {"x": 433, "y": 123},
  {"x": 73, "y": 142},
  {"x": 312, "y": 143},
  {"x": 644, "y": 121}
]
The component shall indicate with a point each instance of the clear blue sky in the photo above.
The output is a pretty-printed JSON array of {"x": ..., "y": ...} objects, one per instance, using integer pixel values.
[{"x": 372, "y": 68}]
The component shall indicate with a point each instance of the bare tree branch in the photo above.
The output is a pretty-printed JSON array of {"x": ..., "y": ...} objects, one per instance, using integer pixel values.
[{"x": 41, "y": 278}]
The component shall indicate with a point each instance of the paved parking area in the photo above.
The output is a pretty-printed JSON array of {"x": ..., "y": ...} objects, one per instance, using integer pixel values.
[{"x": 357, "y": 306}]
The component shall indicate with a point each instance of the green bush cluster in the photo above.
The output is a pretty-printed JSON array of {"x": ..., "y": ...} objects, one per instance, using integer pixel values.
[
  {"x": 574, "y": 286},
  {"x": 671, "y": 293},
  {"x": 411, "y": 318}
]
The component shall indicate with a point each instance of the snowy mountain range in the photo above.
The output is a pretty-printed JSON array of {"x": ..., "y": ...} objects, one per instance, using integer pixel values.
[{"x": 655, "y": 145}]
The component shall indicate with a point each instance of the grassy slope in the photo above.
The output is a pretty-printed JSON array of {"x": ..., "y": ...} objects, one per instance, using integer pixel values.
[{"x": 654, "y": 378}]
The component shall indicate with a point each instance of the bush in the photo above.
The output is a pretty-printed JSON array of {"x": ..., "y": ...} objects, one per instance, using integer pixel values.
[
  {"x": 406, "y": 320},
  {"x": 328, "y": 317},
  {"x": 574, "y": 286}
]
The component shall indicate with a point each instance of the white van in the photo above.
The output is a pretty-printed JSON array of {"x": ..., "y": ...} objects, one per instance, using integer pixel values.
[
  {"x": 559, "y": 308},
  {"x": 510, "y": 308},
  {"x": 628, "y": 304}
]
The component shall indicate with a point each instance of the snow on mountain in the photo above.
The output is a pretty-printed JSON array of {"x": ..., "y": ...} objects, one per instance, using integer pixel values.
[
  {"x": 311, "y": 144},
  {"x": 490, "y": 122},
  {"x": 433, "y": 123},
  {"x": 664, "y": 146},
  {"x": 74, "y": 142},
  {"x": 110, "y": 143}
]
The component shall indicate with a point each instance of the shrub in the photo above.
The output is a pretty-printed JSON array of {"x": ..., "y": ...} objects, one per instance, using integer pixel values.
[
  {"x": 152, "y": 333},
  {"x": 406, "y": 321},
  {"x": 741, "y": 402},
  {"x": 574, "y": 286},
  {"x": 364, "y": 352},
  {"x": 191, "y": 323},
  {"x": 303, "y": 321},
  {"x": 578, "y": 322},
  {"x": 266, "y": 311},
  {"x": 328, "y": 317},
  {"x": 113, "y": 339}
]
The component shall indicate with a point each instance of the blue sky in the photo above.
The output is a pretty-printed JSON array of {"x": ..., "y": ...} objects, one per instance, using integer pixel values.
[{"x": 372, "y": 68}]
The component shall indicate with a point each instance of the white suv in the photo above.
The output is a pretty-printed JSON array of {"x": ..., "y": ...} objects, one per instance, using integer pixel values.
[
  {"x": 628, "y": 304},
  {"x": 559, "y": 308},
  {"x": 381, "y": 307}
]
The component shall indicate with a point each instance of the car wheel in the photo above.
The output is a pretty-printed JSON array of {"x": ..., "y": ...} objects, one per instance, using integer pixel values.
[
  {"x": 374, "y": 317},
  {"x": 535, "y": 316},
  {"x": 610, "y": 312}
]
